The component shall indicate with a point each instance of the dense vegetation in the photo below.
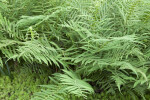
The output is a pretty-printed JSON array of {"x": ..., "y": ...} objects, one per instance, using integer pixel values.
[{"x": 74, "y": 49}]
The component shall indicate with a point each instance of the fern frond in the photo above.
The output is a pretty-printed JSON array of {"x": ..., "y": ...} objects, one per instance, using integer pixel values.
[{"x": 74, "y": 84}]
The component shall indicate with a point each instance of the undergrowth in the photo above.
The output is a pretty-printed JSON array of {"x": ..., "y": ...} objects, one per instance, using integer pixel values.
[
  {"x": 24, "y": 85},
  {"x": 87, "y": 46}
]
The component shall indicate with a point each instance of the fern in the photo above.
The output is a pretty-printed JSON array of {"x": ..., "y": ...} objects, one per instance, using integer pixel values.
[
  {"x": 105, "y": 41},
  {"x": 65, "y": 83}
]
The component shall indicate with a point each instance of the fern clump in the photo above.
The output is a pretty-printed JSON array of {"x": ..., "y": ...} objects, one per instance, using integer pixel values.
[{"x": 89, "y": 46}]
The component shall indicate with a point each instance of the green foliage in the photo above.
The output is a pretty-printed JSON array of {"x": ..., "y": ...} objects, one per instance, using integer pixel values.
[
  {"x": 22, "y": 86},
  {"x": 67, "y": 83},
  {"x": 101, "y": 45}
]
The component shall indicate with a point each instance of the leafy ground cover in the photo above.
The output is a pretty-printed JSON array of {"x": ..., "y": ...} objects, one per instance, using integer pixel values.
[
  {"x": 84, "y": 48},
  {"x": 24, "y": 85}
]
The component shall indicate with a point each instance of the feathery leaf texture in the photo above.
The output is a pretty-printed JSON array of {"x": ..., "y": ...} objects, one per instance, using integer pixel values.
[{"x": 105, "y": 41}]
